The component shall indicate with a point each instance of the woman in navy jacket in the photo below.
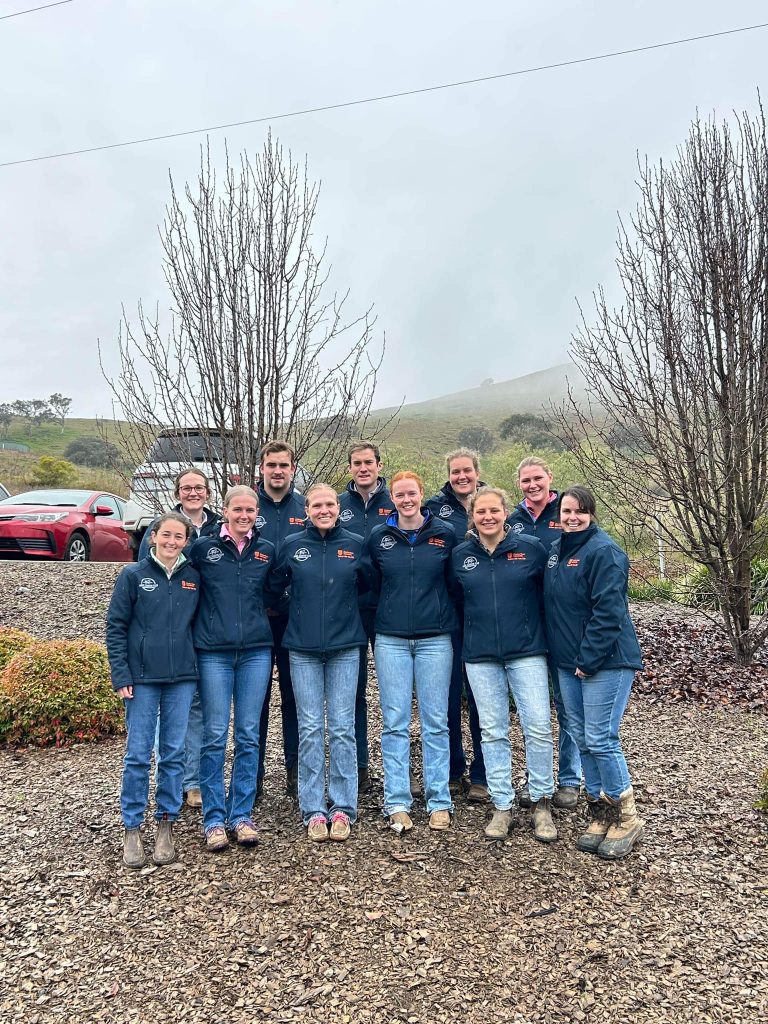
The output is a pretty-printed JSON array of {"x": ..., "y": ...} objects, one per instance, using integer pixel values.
[
  {"x": 500, "y": 573},
  {"x": 326, "y": 569},
  {"x": 415, "y": 617},
  {"x": 154, "y": 670},
  {"x": 593, "y": 644},
  {"x": 234, "y": 650}
]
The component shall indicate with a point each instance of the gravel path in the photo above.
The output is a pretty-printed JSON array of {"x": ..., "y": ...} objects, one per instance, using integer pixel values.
[{"x": 437, "y": 928}]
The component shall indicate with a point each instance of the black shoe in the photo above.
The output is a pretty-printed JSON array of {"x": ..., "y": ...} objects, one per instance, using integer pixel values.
[
  {"x": 458, "y": 786},
  {"x": 292, "y": 781},
  {"x": 524, "y": 796},
  {"x": 566, "y": 798}
]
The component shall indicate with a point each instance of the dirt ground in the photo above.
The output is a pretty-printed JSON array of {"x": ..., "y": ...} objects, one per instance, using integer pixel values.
[{"x": 426, "y": 928}]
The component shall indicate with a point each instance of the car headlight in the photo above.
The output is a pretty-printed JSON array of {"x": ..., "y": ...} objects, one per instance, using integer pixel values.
[{"x": 41, "y": 517}]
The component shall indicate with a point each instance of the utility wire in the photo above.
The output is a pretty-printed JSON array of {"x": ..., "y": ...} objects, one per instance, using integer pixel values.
[
  {"x": 387, "y": 96},
  {"x": 31, "y": 10}
]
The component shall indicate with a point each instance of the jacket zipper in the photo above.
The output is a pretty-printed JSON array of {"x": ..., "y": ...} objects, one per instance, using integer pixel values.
[
  {"x": 322, "y": 601},
  {"x": 495, "y": 608}
]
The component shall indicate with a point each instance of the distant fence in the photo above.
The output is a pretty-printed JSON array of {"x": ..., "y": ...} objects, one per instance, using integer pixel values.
[{"x": 11, "y": 446}]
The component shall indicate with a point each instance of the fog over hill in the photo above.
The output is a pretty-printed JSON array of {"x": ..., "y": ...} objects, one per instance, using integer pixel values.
[{"x": 529, "y": 394}]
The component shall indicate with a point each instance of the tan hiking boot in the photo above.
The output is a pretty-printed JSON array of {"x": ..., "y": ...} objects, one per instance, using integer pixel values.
[
  {"x": 164, "y": 851},
  {"x": 498, "y": 826},
  {"x": 400, "y": 821},
  {"x": 194, "y": 798},
  {"x": 340, "y": 826},
  {"x": 543, "y": 827},
  {"x": 216, "y": 839},
  {"x": 317, "y": 829},
  {"x": 622, "y": 835},
  {"x": 133, "y": 849},
  {"x": 439, "y": 821},
  {"x": 246, "y": 833},
  {"x": 600, "y": 812}
]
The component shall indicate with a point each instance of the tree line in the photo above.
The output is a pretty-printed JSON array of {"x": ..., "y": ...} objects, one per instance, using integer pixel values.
[{"x": 33, "y": 412}]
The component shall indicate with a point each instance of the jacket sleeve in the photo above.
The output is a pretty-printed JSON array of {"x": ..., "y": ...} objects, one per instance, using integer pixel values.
[
  {"x": 455, "y": 590},
  {"x": 278, "y": 580},
  {"x": 367, "y": 575},
  {"x": 119, "y": 616},
  {"x": 607, "y": 578},
  {"x": 367, "y": 555}
]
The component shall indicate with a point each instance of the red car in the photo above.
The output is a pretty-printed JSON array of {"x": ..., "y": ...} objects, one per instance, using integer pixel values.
[{"x": 76, "y": 526}]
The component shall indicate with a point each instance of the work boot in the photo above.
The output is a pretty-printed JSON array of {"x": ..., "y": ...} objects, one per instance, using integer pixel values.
[
  {"x": 439, "y": 821},
  {"x": 164, "y": 851},
  {"x": 543, "y": 827},
  {"x": 194, "y": 798},
  {"x": 600, "y": 813},
  {"x": 458, "y": 786},
  {"x": 623, "y": 834},
  {"x": 524, "y": 795},
  {"x": 498, "y": 826},
  {"x": 401, "y": 822},
  {"x": 566, "y": 798},
  {"x": 478, "y": 793},
  {"x": 133, "y": 849}
]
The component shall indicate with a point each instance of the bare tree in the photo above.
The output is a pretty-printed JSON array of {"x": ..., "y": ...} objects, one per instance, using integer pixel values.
[
  {"x": 682, "y": 366},
  {"x": 257, "y": 348}
]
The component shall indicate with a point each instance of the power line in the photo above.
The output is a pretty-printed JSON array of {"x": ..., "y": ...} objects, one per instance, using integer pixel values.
[
  {"x": 387, "y": 96},
  {"x": 31, "y": 10}
]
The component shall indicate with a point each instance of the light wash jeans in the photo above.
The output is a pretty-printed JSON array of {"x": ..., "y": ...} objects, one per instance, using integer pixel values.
[
  {"x": 228, "y": 677},
  {"x": 325, "y": 689},
  {"x": 164, "y": 707},
  {"x": 568, "y": 757},
  {"x": 595, "y": 707},
  {"x": 527, "y": 680},
  {"x": 399, "y": 664}
]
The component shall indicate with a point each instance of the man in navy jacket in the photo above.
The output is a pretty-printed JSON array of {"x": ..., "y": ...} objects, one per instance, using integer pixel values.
[
  {"x": 281, "y": 512},
  {"x": 364, "y": 504}
]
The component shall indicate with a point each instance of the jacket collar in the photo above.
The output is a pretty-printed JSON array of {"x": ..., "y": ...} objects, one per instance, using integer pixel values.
[
  {"x": 314, "y": 533},
  {"x": 570, "y": 542}
]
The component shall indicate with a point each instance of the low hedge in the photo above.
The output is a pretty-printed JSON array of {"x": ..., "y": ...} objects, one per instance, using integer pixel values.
[
  {"x": 762, "y": 799},
  {"x": 58, "y": 692},
  {"x": 11, "y": 642}
]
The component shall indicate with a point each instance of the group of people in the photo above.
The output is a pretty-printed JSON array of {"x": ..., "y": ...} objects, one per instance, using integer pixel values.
[{"x": 457, "y": 594}]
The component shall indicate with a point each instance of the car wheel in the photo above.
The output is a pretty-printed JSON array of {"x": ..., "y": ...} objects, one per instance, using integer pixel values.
[{"x": 78, "y": 549}]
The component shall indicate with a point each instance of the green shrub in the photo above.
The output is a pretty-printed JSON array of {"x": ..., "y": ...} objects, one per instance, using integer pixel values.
[
  {"x": 762, "y": 788},
  {"x": 696, "y": 589},
  {"x": 655, "y": 589},
  {"x": 11, "y": 642},
  {"x": 52, "y": 472},
  {"x": 58, "y": 692}
]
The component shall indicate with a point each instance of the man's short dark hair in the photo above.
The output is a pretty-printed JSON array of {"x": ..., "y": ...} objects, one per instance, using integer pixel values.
[
  {"x": 361, "y": 446},
  {"x": 273, "y": 448}
]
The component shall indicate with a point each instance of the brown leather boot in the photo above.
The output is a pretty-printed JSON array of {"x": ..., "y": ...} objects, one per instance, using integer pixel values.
[
  {"x": 623, "y": 835},
  {"x": 600, "y": 813},
  {"x": 164, "y": 851},
  {"x": 133, "y": 849},
  {"x": 543, "y": 827}
]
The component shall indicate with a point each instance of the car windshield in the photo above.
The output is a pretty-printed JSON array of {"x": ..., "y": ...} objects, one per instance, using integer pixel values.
[
  {"x": 186, "y": 448},
  {"x": 67, "y": 499}
]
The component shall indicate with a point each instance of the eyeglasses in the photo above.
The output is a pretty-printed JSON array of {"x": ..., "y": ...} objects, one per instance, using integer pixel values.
[{"x": 193, "y": 490}]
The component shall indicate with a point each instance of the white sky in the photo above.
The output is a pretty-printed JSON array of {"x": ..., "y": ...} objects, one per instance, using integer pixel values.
[{"x": 470, "y": 218}]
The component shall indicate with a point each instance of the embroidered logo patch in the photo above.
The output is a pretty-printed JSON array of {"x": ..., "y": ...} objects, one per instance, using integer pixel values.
[
  {"x": 387, "y": 541},
  {"x": 346, "y": 515},
  {"x": 186, "y": 585},
  {"x": 302, "y": 555},
  {"x": 552, "y": 561},
  {"x": 438, "y": 542},
  {"x": 214, "y": 555},
  {"x": 260, "y": 556},
  {"x": 516, "y": 556},
  {"x": 470, "y": 563},
  {"x": 554, "y": 525},
  {"x": 445, "y": 512},
  {"x": 260, "y": 522},
  {"x": 518, "y": 528},
  {"x": 148, "y": 584},
  {"x": 341, "y": 553},
  {"x": 295, "y": 521},
  {"x": 572, "y": 562},
  {"x": 386, "y": 511}
]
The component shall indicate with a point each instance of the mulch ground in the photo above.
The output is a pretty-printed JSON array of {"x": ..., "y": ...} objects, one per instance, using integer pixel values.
[{"x": 428, "y": 927}]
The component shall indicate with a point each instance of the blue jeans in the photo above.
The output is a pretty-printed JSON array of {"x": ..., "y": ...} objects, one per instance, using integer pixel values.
[
  {"x": 594, "y": 707},
  {"x": 399, "y": 664},
  {"x": 455, "y": 694},
  {"x": 568, "y": 758},
  {"x": 165, "y": 707},
  {"x": 367, "y": 617},
  {"x": 527, "y": 680},
  {"x": 226, "y": 678},
  {"x": 287, "y": 701},
  {"x": 325, "y": 688}
]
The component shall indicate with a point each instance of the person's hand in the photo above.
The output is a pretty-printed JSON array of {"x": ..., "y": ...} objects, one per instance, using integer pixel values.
[
  {"x": 126, "y": 692},
  {"x": 579, "y": 674}
]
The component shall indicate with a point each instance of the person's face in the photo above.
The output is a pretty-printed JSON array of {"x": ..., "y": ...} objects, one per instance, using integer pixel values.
[
  {"x": 462, "y": 476},
  {"x": 535, "y": 483},
  {"x": 193, "y": 493},
  {"x": 240, "y": 515},
  {"x": 407, "y": 497},
  {"x": 323, "y": 509},
  {"x": 364, "y": 468},
  {"x": 278, "y": 471},
  {"x": 488, "y": 516},
  {"x": 572, "y": 518},
  {"x": 169, "y": 540}
]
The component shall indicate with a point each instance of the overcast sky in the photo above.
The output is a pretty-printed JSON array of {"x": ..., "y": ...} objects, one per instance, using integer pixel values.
[{"x": 471, "y": 218}]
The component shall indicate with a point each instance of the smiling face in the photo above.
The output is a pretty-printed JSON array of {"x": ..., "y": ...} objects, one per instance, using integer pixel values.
[
  {"x": 536, "y": 485},
  {"x": 193, "y": 494},
  {"x": 407, "y": 497},
  {"x": 488, "y": 517},
  {"x": 364, "y": 468},
  {"x": 277, "y": 473},
  {"x": 462, "y": 476},
  {"x": 323, "y": 508},
  {"x": 240, "y": 515},
  {"x": 573, "y": 518},
  {"x": 169, "y": 539}
]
